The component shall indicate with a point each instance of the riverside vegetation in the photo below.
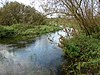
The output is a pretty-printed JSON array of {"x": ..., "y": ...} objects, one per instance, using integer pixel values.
[
  {"x": 82, "y": 52},
  {"x": 25, "y": 32},
  {"x": 21, "y": 22}
]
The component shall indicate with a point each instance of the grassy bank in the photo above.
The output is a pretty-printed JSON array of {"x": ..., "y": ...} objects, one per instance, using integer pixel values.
[
  {"x": 82, "y": 54},
  {"x": 25, "y": 32}
]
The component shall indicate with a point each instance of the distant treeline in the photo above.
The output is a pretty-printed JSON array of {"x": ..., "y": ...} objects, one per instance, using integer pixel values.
[{"x": 14, "y": 13}]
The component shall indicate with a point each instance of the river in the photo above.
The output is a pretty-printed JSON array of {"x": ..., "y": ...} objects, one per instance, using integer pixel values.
[{"x": 40, "y": 57}]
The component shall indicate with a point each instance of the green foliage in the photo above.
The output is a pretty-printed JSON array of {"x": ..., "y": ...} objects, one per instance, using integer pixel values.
[
  {"x": 14, "y": 12},
  {"x": 97, "y": 35},
  {"x": 7, "y": 32},
  {"x": 25, "y": 31},
  {"x": 82, "y": 54}
]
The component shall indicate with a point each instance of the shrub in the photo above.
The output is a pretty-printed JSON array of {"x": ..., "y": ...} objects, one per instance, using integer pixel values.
[
  {"x": 7, "y": 32},
  {"x": 82, "y": 54}
]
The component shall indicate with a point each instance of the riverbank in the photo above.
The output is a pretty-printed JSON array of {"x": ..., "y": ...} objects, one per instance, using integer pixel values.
[
  {"x": 82, "y": 54},
  {"x": 21, "y": 32},
  {"x": 38, "y": 57}
]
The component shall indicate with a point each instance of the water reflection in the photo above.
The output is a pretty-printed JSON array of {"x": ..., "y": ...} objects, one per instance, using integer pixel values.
[{"x": 38, "y": 58}]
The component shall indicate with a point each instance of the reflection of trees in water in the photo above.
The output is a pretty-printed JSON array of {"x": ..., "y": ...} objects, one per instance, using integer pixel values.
[
  {"x": 5, "y": 56},
  {"x": 10, "y": 65},
  {"x": 38, "y": 58},
  {"x": 13, "y": 42},
  {"x": 2, "y": 58}
]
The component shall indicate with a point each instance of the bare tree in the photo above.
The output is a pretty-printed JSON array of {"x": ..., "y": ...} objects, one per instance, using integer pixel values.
[
  {"x": 84, "y": 11},
  {"x": 3, "y": 2}
]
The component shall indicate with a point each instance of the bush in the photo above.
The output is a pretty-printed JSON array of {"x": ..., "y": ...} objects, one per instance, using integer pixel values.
[
  {"x": 7, "y": 32},
  {"x": 97, "y": 35},
  {"x": 82, "y": 53}
]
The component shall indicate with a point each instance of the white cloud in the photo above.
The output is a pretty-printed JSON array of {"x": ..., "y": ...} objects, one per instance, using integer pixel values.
[
  {"x": 36, "y": 3},
  {"x": 26, "y": 2}
]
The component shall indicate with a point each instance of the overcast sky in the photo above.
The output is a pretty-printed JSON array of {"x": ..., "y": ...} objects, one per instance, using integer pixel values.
[{"x": 28, "y": 2}]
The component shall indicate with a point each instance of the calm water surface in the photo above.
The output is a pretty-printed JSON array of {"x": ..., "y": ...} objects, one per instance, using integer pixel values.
[{"x": 40, "y": 57}]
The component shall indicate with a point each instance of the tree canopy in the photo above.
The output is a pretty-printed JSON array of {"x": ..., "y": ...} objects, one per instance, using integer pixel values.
[
  {"x": 86, "y": 12},
  {"x": 14, "y": 12}
]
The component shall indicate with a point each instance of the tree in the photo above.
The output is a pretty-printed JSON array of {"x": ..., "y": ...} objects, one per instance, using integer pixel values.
[
  {"x": 3, "y": 2},
  {"x": 14, "y": 12},
  {"x": 84, "y": 11}
]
